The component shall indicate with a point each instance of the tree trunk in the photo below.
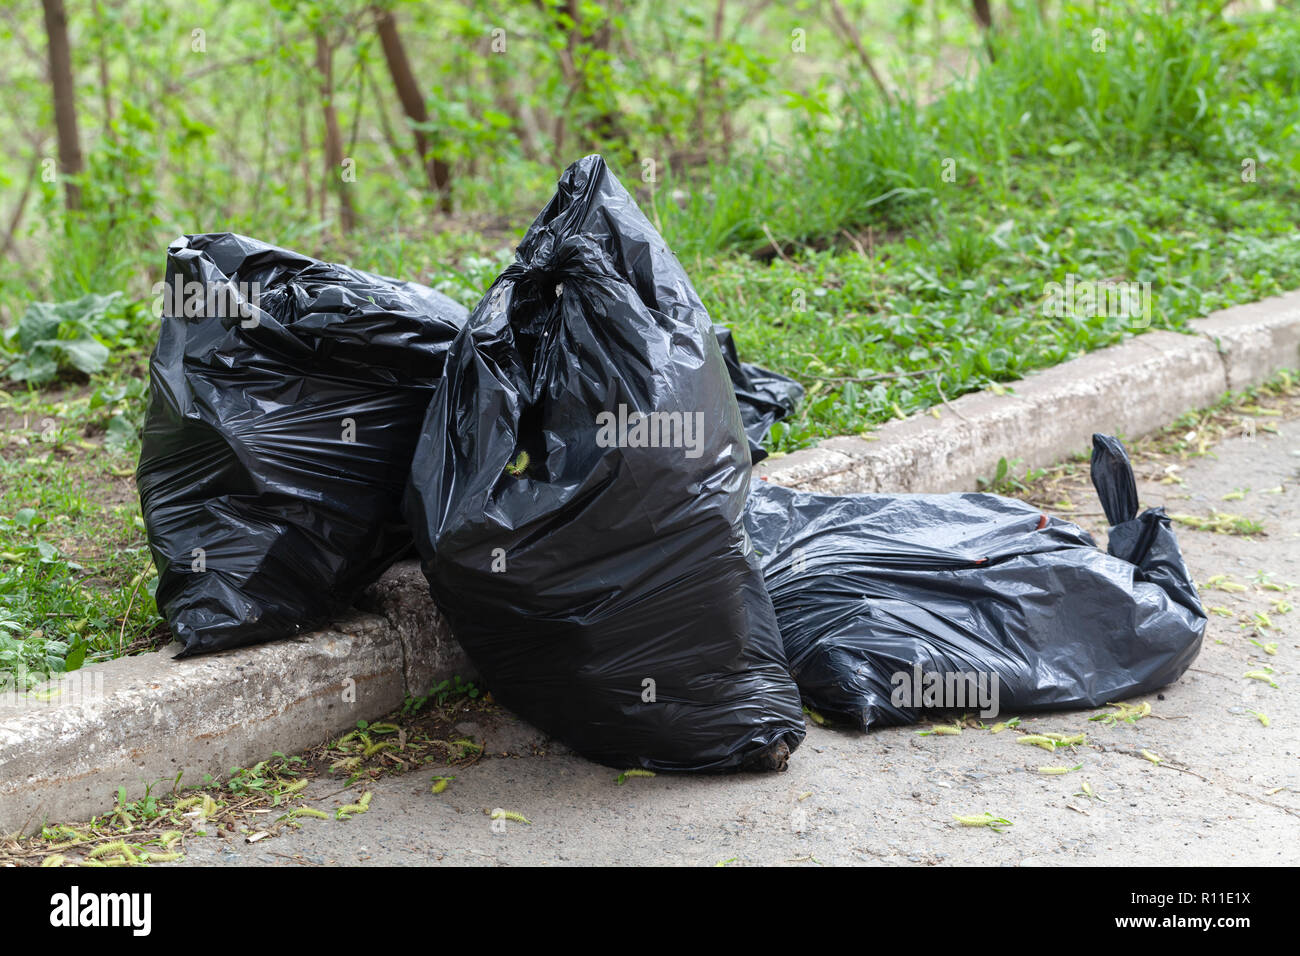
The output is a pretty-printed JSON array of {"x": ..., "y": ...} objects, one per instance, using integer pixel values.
[
  {"x": 333, "y": 138},
  {"x": 984, "y": 17},
  {"x": 436, "y": 170},
  {"x": 65, "y": 104}
]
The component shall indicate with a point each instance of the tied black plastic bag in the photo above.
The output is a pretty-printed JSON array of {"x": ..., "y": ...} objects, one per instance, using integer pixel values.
[
  {"x": 285, "y": 398},
  {"x": 889, "y": 604},
  {"x": 577, "y": 495}
]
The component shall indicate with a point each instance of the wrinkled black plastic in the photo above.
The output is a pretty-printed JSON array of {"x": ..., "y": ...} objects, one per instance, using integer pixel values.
[
  {"x": 265, "y": 511},
  {"x": 764, "y": 397},
  {"x": 868, "y": 587},
  {"x": 263, "y": 520},
  {"x": 606, "y": 592}
]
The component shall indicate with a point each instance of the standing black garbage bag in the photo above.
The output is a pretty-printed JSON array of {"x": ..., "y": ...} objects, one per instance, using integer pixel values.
[
  {"x": 577, "y": 494},
  {"x": 892, "y": 604},
  {"x": 285, "y": 398}
]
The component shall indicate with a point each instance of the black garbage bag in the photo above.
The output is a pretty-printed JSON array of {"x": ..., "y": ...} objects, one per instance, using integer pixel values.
[
  {"x": 893, "y": 604},
  {"x": 577, "y": 495},
  {"x": 764, "y": 397},
  {"x": 285, "y": 398}
]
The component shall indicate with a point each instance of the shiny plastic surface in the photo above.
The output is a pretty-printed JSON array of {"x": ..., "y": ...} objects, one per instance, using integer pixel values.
[
  {"x": 870, "y": 588},
  {"x": 601, "y": 582},
  {"x": 285, "y": 397}
]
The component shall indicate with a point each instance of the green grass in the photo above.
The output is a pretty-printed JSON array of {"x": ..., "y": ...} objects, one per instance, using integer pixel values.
[
  {"x": 1182, "y": 83},
  {"x": 960, "y": 302},
  {"x": 72, "y": 550}
]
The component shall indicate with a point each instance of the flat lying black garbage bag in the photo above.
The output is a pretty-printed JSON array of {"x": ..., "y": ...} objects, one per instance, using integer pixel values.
[
  {"x": 891, "y": 604},
  {"x": 285, "y": 398},
  {"x": 577, "y": 493}
]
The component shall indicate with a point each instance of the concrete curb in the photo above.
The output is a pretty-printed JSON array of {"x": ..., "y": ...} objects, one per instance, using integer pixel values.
[
  {"x": 131, "y": 722},
  {"x": 66, "y": 749},
  {"x": 1131, "y": 389}
]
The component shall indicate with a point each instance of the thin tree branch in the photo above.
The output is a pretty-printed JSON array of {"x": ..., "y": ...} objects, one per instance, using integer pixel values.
[{"x": 842, "y": 21}]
